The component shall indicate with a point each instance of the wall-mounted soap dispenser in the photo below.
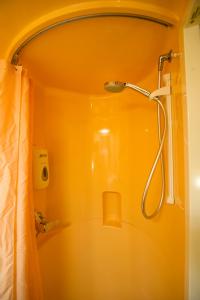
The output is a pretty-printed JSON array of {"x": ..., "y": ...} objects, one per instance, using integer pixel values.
[{"x": 40, "y": 168}]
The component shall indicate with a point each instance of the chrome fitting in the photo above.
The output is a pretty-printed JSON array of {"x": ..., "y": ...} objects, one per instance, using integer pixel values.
[{"x": 164, "y": 57}]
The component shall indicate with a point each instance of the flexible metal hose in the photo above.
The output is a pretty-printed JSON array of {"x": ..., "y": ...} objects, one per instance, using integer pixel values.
[{"x": 159, "y": 156}]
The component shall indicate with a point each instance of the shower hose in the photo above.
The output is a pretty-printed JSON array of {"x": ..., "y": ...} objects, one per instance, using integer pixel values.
[{"x": 159, "y": 156}]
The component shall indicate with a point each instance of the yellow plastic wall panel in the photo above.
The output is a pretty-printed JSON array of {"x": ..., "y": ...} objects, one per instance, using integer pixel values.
[
  {"x": 20, "y": 18},
  {"x": 39, "y": 139},
  {"x": 99, "y": 49},
  {"x": 97, "y": 144},
  {"x": 100, "y": 142}
]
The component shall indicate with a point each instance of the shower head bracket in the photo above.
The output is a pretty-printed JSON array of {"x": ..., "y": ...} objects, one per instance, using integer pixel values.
[{"x": 164, "y": 91}]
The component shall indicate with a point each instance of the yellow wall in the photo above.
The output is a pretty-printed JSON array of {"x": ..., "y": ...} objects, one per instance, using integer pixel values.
[
  {"x": 141, "y": 260},
  {"x": 19, "y": 18},
  {"x": 98, "y": 49}
]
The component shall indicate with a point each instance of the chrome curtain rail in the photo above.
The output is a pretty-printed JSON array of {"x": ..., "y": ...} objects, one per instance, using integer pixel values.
[{"x": 15, "y": 57}]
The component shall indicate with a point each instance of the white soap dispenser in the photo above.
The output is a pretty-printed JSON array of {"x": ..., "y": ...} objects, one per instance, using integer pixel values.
[{"x": 40, "y": 168}]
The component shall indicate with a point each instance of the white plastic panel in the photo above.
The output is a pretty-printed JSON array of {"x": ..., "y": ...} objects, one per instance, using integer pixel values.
[
  {"x": 170, "y": 169},
  {"x": 192, "y": 65}
]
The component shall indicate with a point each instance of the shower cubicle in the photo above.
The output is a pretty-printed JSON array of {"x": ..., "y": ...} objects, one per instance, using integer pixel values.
[{"x": 107, "y": 143}]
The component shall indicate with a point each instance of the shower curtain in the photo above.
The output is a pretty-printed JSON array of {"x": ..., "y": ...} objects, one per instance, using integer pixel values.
[{"x": 19, "y": 267}]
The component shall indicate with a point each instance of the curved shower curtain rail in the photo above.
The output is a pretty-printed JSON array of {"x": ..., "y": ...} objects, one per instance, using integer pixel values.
[{"x": 15, "y": 57}]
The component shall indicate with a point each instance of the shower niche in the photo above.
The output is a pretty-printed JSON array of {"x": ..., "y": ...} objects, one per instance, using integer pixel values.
[{"x": 112, "y": 209}]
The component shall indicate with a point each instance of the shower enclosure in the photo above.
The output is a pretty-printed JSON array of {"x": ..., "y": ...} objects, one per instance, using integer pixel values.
[{"x": 102, "y": 145}]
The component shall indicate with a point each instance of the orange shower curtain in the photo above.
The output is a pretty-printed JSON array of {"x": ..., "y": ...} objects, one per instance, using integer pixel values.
[{"x": 19, "y": 268}]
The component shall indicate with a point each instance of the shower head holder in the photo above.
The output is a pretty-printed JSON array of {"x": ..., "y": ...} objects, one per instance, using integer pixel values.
[{"x": 164, "y": 91}]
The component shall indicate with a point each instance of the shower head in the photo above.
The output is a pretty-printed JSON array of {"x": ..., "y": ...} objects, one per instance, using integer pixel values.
[
  {"x": 118, "y": 86},
  {"x": 114, "y": 86}
]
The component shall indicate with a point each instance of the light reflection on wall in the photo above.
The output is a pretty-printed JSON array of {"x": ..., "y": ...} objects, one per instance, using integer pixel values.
[
  {"x": 197, "y": 182},
  {"x": 104, "y": 131}
]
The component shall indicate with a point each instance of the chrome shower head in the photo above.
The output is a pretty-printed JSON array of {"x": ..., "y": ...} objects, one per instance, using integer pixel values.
[
  {"x": 118, "y": 86},
  {"x": 114, "y": 86}
]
